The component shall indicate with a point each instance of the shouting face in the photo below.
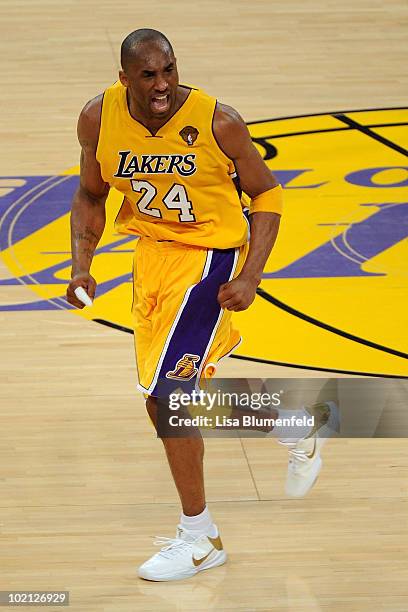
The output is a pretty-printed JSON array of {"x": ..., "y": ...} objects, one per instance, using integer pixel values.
[{"x": 151, "y": 79}]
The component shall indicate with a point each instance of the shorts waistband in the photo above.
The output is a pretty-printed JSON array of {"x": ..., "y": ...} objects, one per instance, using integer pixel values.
[{"x": 167, "y": 245}]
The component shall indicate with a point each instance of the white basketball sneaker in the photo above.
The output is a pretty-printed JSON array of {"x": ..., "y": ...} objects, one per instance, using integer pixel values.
[
  {"x": 183, "y": 556},
  {"x": 305, "y": 461}
]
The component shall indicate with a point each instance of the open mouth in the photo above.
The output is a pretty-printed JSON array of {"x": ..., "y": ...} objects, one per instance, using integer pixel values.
[{"x": 161, "y": 103}]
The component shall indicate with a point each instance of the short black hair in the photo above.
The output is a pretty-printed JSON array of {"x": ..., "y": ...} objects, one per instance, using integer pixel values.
[{"x": 129, "y": 46}]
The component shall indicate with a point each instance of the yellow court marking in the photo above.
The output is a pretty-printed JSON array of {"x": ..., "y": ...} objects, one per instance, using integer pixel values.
[{"x": 337, "y": 276}]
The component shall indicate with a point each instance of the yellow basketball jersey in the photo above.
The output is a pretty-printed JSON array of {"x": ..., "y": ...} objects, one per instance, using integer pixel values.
[{"x": 177, "y": 185}]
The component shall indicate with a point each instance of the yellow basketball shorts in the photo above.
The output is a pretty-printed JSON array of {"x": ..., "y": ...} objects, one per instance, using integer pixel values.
[{"x": 181, "y": 332}]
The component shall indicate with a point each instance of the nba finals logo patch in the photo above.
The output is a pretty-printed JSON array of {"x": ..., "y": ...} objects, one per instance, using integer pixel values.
[
  {"x": 334, "y": 290},
  {"x": 189, "y": 134},
  {"x": 185, "y": 368}
]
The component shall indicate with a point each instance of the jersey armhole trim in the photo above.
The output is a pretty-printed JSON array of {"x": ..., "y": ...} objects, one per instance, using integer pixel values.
[
  {"x": 188, "y": 87},
  {"x": 100, "y": 128},
  {"x": 224, "y": 155}
]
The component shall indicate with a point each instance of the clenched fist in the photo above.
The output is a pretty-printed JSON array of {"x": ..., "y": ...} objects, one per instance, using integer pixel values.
[
  {"x": 237, "y": 294},
  {"x": 82, "y": 279}
]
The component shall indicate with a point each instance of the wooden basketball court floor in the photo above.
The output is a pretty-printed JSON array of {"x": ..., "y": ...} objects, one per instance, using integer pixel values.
[{"x": 84, "y": 483}]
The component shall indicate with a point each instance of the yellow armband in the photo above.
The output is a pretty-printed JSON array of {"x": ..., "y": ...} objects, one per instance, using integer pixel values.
[{"x": 268, "y": 201}]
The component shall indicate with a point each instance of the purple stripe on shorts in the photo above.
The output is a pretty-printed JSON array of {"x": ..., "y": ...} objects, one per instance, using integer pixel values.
[{"x": 194, "y": 328}]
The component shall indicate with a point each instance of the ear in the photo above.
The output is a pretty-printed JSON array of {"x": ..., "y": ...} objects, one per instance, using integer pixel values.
[{"x": 123, "y": 78}]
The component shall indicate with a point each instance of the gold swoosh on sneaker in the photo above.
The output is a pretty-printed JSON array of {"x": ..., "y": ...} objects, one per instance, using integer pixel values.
[
  {"x": 216, "y": 542},
  {"x": 198, "y": 562},
  {"x": 217, "y": 545},
  {"x": 313, "y": 453}
]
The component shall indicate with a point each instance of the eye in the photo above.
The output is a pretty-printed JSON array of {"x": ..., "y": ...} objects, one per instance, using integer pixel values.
[{"x": 170, "y": 69}]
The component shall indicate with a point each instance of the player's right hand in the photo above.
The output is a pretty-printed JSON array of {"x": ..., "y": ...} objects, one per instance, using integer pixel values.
[{"x": 82, "y": 279}]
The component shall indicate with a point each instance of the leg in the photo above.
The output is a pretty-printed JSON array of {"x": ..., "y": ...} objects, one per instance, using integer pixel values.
[
  {"x": 181, "y": 326},
  {"x": 185, "y": 457},
  {"x": 197, "y": 545}
]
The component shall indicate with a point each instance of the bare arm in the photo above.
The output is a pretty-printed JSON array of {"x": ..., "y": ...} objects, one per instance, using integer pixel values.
[
  {"x": 88, "y": 205},
  {"x": 255, "y": 177}
]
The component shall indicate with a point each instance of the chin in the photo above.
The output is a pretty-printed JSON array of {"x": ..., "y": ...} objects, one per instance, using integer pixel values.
[{"x": 161, "y": 114}]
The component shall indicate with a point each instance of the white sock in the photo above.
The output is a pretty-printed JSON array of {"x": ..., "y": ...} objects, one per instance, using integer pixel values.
[
  {"x": 288, "y": 431},
  {"x": 199, "y": 524}
]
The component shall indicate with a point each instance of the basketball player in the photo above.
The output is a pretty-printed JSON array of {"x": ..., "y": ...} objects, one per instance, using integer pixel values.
[{"x": 180, "y": 158}]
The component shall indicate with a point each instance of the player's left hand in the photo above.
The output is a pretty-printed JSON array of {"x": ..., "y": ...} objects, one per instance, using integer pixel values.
[{"x": 237, "y": 294}]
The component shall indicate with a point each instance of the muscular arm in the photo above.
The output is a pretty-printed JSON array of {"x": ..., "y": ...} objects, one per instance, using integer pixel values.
[
  {"x": 255, "y": 177},
  {"x": 88, "y": 205}
]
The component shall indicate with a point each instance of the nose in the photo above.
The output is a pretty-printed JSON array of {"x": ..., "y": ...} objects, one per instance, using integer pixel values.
[{"x": 160, "y": 84}]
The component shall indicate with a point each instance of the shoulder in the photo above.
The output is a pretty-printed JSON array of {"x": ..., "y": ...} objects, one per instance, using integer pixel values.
[
  {"x": 227, "y": 118},
  {"x": 230, "y": 130},
  {"x": 89, "y": 122}
]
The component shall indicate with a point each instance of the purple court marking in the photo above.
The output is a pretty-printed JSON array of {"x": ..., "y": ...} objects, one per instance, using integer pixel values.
[
  {"x": 386, "y": 227},
  {"x": 28, "y": 208},
  {"x": 43, "y": 209}
]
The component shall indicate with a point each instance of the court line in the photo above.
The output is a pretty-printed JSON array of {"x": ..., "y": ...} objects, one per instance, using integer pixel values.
[
  {"x": 249, "y": 500},
  {"x": 342, "y": 253},
  {"x": 122, "y": 328},
  {"x": 23, "y": 196},
  {"x": 307, "y": 367},
  {"x": 363, "y": 257},
  {"x": 350, "y": 248},
  {"x": 368, "y": 132},
  {"x": 251, "y": 473},
  {"x": 326, "y": 130},
  {"x": 328, "y": 113},
  {"x": 128, "y": 330},
  {"x": 339, "y": 332}
]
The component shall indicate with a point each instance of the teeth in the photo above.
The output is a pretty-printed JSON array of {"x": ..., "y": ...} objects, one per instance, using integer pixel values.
[{"x": 160, "y": 97}]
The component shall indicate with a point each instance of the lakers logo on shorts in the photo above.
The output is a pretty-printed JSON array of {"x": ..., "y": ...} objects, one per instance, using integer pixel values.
[{"x": 185, "y": 368}]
